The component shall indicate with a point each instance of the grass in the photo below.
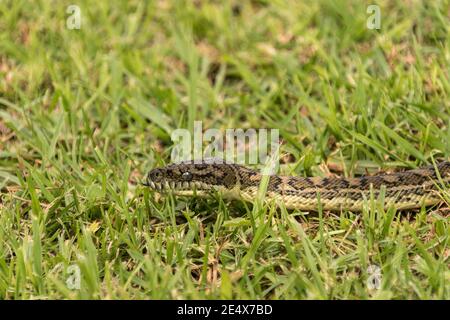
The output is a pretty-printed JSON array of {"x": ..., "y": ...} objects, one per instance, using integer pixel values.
[{"x": 84, "y": 114}]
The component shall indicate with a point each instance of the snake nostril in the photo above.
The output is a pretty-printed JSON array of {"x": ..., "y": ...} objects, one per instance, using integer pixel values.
[{"x": 155, "y": 175}]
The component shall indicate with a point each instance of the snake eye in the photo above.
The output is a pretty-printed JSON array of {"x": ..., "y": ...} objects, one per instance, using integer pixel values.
[{"x": 187, "y": 176}]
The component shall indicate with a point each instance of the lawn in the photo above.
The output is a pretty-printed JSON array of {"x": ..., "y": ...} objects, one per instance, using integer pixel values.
[{"x": 86, "y": 112}]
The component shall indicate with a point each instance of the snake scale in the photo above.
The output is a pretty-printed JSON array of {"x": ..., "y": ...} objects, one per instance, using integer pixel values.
[{"x": 401, "y": 190}]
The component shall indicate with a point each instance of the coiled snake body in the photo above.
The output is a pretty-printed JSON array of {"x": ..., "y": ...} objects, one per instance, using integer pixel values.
[{"x": 401, "y": 190}]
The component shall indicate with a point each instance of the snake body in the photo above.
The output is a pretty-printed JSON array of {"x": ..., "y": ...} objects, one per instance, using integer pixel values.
[{"x": 401, "y": 190}]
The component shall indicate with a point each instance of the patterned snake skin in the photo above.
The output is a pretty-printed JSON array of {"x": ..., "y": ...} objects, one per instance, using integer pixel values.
[{"x": 402, "y": 190}]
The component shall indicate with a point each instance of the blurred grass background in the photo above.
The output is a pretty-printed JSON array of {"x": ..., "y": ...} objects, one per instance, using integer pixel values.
[{"x": 84, "y": 114}]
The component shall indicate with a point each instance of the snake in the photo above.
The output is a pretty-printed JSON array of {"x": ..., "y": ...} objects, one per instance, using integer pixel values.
[{"x": 402, "y": 190}]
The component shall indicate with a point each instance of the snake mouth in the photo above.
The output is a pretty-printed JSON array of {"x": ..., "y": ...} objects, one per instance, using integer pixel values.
[{"x": 177, "y": 186}]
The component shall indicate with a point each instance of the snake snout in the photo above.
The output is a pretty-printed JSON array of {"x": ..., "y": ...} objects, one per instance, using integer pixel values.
[
  {"x": 160, "y": 179},
  {"x": 155, "y": 179}
]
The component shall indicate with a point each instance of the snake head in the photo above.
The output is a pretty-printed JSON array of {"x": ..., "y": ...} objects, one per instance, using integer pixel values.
[{"x": 188, "y": 177}]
